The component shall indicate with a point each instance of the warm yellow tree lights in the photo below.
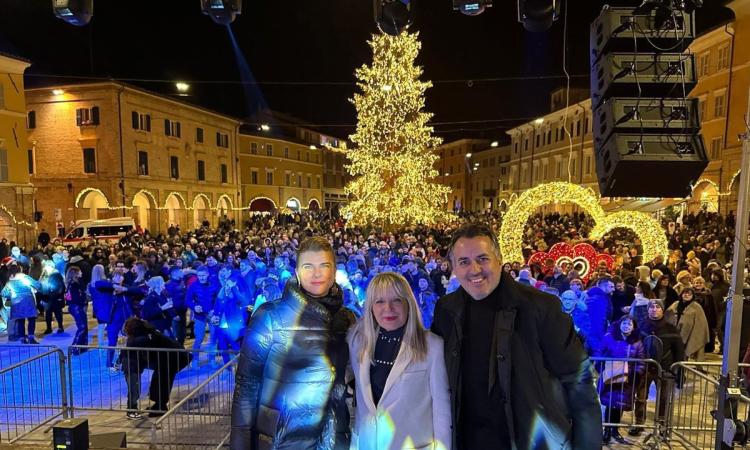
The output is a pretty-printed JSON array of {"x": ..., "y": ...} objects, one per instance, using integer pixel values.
[
  {"x": 647, "y": 228},
  {"x": 392, "y": 162}
]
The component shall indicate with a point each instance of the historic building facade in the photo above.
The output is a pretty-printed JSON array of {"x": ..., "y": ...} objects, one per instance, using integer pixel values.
[
  {"x": 16, "y": 192},
  {"x": 105, "y": 150}
]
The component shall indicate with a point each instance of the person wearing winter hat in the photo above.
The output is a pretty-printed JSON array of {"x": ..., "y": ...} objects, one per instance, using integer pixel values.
[
  {"x": 684, "y": 281},
  {"x": 664, "y": 344}
]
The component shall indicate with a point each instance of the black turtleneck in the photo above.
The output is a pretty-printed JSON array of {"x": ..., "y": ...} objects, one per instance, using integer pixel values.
[{"x": 386, "y": 350}]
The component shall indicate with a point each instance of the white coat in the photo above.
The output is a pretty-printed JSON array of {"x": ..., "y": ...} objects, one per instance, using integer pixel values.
[{"x": 414, "y": 410}]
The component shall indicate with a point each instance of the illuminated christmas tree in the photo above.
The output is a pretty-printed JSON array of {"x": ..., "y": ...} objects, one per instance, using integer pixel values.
[{"x": 392, "y": 162}]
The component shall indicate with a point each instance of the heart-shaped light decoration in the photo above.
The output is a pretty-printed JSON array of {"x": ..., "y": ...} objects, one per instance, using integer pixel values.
[
  {"x": 583, "y": 258},
  {"x": 647, "y": 228}
]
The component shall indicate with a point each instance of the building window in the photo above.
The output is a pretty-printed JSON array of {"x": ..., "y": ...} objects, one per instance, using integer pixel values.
[
  {"x": 309, "y": 181},
  {"x": 224, "y": 173},
  {"x": 199, "y": 135},
  {"x": 719, "y": 104},
  {"x": 141, "y": 121},
  {"x": 307, "y": 156},
  {"x": 287, "y": 179},
  {"x": 704, "y": 62},
  {"x": 31, "y": 120},
  {"x": 201, "y": 170},
  {"x": 269, "y": 150},
  {"x": 299, "y": 180},
  {"x": 3, "y": 164},
  {"x": 222, "y": 140},
  {"x": 298, "y": 155},
  {"x": 142, "y": 163},
  {"x": 89, "y": 160},
  {"x": 286, "y": 152},
  {"x": 87, "y": 116},
  {"x": 253, "y": 148},
  {"x": 253, "y": 177},
  {"x": 317, "y": 182},
  {"x": 716, "y": 144},
  {"x": 588, "y": 165},
  {"x": 723, "y": 62},
  {"x": 174, "y": 167},
  {"x": 269, "y": 178},
  {"x": 172, "y": 128},
  {"x": 31, "y": 160},
  {"x": 702, "y": 109}
]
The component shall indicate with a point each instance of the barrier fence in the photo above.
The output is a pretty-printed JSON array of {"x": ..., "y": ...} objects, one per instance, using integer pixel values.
[
  {"x": 32, "y": 390},
  {"x": 190, "y": 403},
  {"x": 136, "y": 380},
  {"x": 696, "y": 399},
  {"x": 202, "y": 419}
]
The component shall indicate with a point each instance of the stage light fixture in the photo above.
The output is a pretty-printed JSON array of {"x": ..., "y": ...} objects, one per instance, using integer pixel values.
[
  {"x": 471, "y": 7},
  {"x": 222, "y": 12},
  {"x": 538, "y": 15},
  {"x": 74, "y": 12},
  {"x": 392, "y": 16}
]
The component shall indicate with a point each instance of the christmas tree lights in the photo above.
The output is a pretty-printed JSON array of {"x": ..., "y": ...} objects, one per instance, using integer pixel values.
[{"x": 393, "y": 161}]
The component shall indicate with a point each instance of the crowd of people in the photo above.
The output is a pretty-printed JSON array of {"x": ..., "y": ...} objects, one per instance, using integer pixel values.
[{"x": 209, "y": 284}]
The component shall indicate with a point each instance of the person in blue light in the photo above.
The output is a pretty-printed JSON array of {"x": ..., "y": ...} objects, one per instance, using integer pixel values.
[
  {"x": 51, "y": 296},
  {"x": 176, "y": 291},
  {"x": 230, "y": 313},
  {"x": 401, "y": 382},
  {"x": 290, "y": 391},
  {"x": 18, "y": 292},
  {"x": 157, "y": 307},
  {"x": 200, "y": 297},
  {"x": 75, "y": 293},
  {"x": 518, "y": 373}
]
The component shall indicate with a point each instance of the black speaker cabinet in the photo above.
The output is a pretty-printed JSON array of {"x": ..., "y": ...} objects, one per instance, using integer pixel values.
[
  {"x": 71, "y": 434},
  {"x": 649, "y": 165},
  {"x": 651, "y": 74},
  {"x": 654, "y": 115}
]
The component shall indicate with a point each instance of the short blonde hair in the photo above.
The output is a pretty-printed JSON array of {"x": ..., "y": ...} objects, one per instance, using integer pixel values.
[{"x": 414, "y": 342}]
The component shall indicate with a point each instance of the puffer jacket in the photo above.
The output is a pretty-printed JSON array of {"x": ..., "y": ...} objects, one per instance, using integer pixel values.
[
  {"x": 290, "y": 379},
  {"x": 18, "y": 293}
]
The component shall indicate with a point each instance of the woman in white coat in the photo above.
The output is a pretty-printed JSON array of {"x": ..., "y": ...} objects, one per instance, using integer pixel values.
[{"x": 402, "y": 397}]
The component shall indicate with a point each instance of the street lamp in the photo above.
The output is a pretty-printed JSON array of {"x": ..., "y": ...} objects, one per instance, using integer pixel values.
[{"x": 182, "y": 87}]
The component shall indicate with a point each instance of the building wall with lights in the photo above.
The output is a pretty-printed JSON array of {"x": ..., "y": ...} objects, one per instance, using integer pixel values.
[
  {"x": 335, "y": 177},
  {"x": 16, "y": 192},
  {"x": 489, "y": 173},
  {"x": 722, "y": 58},
  {"x": 106, "y": 150},
  {"x": 277, "y": 172},
  {"x": 542, "y": 151},
  {"x": 454, "y": 170}
]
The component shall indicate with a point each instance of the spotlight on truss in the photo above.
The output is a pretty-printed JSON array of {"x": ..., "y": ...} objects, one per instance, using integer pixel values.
[
  {"x": 538, "y": 15},
  {"x": 471, "y": 7},
  {"x": 392, "y": 16},
  {"x": 74, "y": 12},
  {"x": 223, "y": 12}
]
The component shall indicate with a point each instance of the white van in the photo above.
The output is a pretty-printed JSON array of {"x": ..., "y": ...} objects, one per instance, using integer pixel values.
[{"x": 110, "y": 230}]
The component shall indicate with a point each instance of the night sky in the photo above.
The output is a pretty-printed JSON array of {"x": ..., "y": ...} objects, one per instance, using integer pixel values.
[{"x": 315, "y": 45}]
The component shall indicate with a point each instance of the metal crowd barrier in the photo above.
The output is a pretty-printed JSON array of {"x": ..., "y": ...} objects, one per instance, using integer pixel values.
[
  {"x": 695, "y": 399},
  {"x": 202, "y": 419},
  {"x": 32, "y": 389},
  {"x": 125, "y": 378},
  {"x": 12, "y": 353},
  {"x": 624, "y": 385}
]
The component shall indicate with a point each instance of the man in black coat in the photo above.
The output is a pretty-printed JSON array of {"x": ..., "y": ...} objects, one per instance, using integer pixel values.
[{"x": 518, "y": 374}]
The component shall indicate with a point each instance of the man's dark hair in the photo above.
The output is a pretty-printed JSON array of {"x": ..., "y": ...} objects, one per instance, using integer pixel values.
[
  {"x": 473, "y": 230},
  {"x": 616, "y": 279},
  {"x": 603, "y": 279}
]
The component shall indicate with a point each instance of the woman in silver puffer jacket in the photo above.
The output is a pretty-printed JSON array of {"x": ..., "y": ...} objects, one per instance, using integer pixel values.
[{"x": 290, "y": 379}]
